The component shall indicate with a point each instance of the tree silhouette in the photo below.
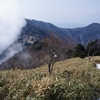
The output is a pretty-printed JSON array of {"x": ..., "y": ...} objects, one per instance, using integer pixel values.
[
  {"x": 92, "y": 49},
  {"x": 79, "y": 51}
]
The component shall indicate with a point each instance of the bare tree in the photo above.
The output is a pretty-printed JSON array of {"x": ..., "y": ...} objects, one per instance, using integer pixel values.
[
  {"x": 53, "y": 49},
  {"x": 51, "y": 62},
  {"x": 90, "y": 47}
]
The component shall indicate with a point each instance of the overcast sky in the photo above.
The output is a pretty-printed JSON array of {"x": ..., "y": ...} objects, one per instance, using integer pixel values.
[{"x": 60, "y": 12}]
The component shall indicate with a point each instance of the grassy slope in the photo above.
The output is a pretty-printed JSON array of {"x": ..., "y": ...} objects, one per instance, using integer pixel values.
[{"x": 81, "y": 82}]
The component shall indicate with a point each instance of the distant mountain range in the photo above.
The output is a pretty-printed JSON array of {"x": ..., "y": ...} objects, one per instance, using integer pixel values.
[
  {"x": 80, "y": 35},
  {"x": 38, "y": 30}
]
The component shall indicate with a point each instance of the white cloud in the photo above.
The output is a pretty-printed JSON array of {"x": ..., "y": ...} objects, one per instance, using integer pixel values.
[{"x": 11, "y": 22}]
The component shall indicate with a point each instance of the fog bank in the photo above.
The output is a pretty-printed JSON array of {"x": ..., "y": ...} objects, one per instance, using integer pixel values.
[{"x": 11, "y": 22}]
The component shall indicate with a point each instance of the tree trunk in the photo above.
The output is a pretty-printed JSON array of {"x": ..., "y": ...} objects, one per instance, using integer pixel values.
[
  {"x": 49, "y": 69},
  {"x": 50, "y": 64}
]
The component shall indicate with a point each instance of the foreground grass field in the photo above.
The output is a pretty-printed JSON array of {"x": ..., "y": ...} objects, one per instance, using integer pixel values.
[{"x": 73, "y": 79}]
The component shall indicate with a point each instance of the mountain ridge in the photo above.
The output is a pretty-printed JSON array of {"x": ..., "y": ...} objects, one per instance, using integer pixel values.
[
  {"x": 75, "y": 34},
  {"x": 39, "y": 30}
]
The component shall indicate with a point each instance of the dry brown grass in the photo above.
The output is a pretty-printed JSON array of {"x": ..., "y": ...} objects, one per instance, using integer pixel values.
[
  {"x": 37, "y": 84},
  {"x": 73, "y": 64}
]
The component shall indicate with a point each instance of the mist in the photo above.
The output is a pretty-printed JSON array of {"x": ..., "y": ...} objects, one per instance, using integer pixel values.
[{"x": 11, "y": 22}]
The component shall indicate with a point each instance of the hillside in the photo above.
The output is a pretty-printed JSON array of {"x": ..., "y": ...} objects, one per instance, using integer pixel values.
[
  {"x": 39, "y": 53},
  {"x": 80, "y": 81},
  {"x": 81, "y": 35},
  {"x": 29, "y": 34},
  {"x": 38, "y": 31}
]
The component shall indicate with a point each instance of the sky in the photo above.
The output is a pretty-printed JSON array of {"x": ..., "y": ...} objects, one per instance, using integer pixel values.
[{"x": 64, "y": 13}]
